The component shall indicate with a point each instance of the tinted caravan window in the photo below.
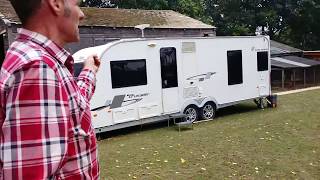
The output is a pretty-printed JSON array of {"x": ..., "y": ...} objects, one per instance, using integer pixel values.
[
  {"x": 128, "y": 73},
  {"x": 77, "y": 69},
  {"x": 262, "y": 58},
  {"x": 168, "y": 60},
  {"x": 235, "y": 67}
]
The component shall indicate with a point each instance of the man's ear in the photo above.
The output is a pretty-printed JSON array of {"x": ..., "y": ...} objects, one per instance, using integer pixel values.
[{"x": 56, "y": 6}]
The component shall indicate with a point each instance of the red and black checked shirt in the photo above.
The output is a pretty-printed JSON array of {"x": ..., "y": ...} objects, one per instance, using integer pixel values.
[{"x": 46, "y": 130}]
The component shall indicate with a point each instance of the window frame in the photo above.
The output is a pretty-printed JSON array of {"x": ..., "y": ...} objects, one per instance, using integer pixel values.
[
  {"x": 261, "y": 65},
  {"x": 234, "y": 77},
  {"x": 139, "y": 81},
  {"x": 164, "y": 72}
]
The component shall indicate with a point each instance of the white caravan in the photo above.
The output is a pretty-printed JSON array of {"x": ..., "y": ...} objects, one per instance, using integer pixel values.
[{"x": 147, "y": 80}]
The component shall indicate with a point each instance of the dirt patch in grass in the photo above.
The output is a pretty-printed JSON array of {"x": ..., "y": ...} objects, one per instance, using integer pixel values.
[{"x": 242, "y": 143}]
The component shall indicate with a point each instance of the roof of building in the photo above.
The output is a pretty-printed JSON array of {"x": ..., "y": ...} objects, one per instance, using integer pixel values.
[
  {"x": 287, "y": 62},
  {"x": 114, "y": 17},
  {"x": 280, "y": 48},
  {"x": 132, "y": 17},
  {"x": 7, "y": 11}
]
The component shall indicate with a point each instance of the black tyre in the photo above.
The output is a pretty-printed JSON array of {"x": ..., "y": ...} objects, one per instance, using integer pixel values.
[
  {"x": 208, "y": 111},
  {"x": 192, "y": 113}
]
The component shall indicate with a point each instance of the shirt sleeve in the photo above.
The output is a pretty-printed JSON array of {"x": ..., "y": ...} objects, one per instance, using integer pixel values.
[
  {"x": 36, "y": 124},
  {"x": 86, "y": 83}
]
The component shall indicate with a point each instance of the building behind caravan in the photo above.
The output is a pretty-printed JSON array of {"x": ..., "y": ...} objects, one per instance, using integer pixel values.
[
  {"x": 102, "y": 25},
  {"x": 291, "y": 68}
]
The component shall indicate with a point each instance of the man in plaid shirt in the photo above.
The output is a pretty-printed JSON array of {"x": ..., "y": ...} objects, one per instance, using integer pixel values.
[{"x": 46, "y": 130}]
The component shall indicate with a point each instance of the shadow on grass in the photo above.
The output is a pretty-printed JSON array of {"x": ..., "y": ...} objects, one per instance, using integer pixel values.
[
  {"x": 236, "y": 109},
  {"x": 245, "y": 107}
]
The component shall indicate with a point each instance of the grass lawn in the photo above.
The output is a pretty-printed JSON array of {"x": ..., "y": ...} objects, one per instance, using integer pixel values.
[{"x": 243, "y": 142}]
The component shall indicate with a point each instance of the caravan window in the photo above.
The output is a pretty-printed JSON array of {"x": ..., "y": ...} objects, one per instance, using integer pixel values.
[
  {"x": 235, "y": 67},
  {"x": 168, "y": 60},
  {"x": 128, "y": 73},
  {"x": 77, "y": 69},
  {"x": 262, "y": 58}
]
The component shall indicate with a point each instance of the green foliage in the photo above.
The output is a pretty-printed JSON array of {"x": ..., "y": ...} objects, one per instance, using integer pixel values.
[
  {"x": 304, "y": 24},
  {"x": 142, "y": 4},
  {"x": 97, "y": 3}
]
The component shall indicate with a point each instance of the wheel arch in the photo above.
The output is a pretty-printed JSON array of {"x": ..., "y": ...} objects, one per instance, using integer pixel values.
[
  {"x": 209, "y": 100},
  {"x": 199, "y": 103}
]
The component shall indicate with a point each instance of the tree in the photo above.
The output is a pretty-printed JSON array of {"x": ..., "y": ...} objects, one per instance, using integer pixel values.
[
  {"x": 304, "y": 25},
  {"x": 97, "y": 3},
  {"x": 230, "y": 17}
]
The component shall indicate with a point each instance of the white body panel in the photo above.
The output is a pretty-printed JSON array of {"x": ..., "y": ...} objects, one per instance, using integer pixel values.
[{"x": 202, "y": 73}]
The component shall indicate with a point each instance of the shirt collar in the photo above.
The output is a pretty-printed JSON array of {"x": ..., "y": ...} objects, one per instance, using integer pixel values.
[{"x": 53, "y": 49}]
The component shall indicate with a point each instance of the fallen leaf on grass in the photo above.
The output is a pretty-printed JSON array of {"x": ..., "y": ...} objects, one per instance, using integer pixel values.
[{"x": 182, "y": 160}]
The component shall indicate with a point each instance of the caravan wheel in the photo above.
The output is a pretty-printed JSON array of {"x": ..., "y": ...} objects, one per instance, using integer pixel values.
[
  {"x": 192, "y": 113},
  {"x": 208, "y": 111}
]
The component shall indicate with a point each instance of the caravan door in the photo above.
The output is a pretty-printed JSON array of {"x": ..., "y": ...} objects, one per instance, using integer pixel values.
[
  {"x": 169, "y": 79},
  {"x": 263, "y": 69}
]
